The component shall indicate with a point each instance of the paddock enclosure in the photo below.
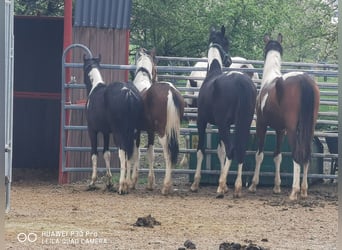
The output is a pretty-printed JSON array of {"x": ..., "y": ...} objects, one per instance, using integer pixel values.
[
  {"x": 75, "y": 144},
  {"x": 47, "y": 215}
]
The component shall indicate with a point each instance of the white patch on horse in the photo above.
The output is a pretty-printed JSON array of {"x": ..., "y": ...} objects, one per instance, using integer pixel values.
[
  {"x": 263, "y": 102},
  {"x": 142, "y": 79},
  {"x": 95, "y": 78},
  {"x": 213, "y": 54},
  {"x": 291, "y": 74},
  {"x": 234, "y": 72},
  {"x": 271, "y": 68}
]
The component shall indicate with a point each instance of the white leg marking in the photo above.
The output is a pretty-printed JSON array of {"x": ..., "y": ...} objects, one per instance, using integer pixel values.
[
  {"x": 185, "y": 159},
  {"x": 222, "y": 188},
  {"x": 135, "y": 160},
  {"x": 168, "y": 167},
  {"x": 221, "y": 153},
  {"x": 255, "y": 181},
  {"x": 150, "y": 158},
  {"x": 304, "y": 190},
  {"x": 94, "y": 174},
  {"x": 106, "y": 157},
  {"x": 123, "y": 169},
  {"x": 277, "y": 181},
  {"x": 296, "y": 181},
  {"x": 238, "y": 182},
  {"x": 197, "y": 178}
]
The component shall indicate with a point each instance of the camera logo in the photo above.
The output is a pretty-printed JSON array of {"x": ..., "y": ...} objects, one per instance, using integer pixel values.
[{"x": 30, "y": 237}]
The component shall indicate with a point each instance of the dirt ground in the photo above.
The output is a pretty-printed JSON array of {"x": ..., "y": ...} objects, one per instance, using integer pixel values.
[{"x": 52, "y": 216}]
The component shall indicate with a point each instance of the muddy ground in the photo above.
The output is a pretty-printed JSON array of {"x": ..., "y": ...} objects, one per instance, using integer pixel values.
[{"x": 52, "y": 216}]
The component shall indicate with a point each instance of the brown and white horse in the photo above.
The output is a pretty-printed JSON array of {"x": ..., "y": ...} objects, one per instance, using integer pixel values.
[
  {"x": 163, "y": 112},
  {"x": 289, "y": 104}
]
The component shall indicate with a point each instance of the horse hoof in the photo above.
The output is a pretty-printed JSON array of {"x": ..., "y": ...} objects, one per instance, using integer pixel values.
[
  {"x": 293, "y": 196},
  {"x": 276, "y": 190},
  {"x": 194, "y": 187},
  {"x": 219, "y": 196},
  {"x": 121, "y": 192},
  {"x": 110, "y": 188},
  {"x": 252, "y": 188},
  {"x": 166, "y": 190},
  {"x": 237, "y": 195},
  {"x": 92, "y": 187}
]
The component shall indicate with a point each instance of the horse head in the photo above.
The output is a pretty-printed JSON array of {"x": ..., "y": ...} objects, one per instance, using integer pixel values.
[
  {"x": 273, "y": 44},
  {"x": 218, "y": 40},
  {"x": 146, "y": 61},
  {"x": 88, "y": 65}
]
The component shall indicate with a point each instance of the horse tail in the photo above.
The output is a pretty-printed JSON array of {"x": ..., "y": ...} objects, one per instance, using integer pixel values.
[
  {"x": 132, "y": 117},
  {"x": 175, "y": 110},
  {"x": 306, "y": 123},
  {"x": 244, "y": 116}
]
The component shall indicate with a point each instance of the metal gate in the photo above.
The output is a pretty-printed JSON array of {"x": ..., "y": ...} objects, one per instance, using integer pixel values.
[
  {"x": 9, "y": 56},
  {"x": 178, "y": 75}
]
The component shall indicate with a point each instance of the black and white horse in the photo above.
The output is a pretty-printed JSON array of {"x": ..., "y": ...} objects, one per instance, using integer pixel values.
[
  {"x": 116, "y": 109},
  {"x": 224, "y": 100},
  {"x": 196, "y": 80},
  {"x": 163, "y": 112}
]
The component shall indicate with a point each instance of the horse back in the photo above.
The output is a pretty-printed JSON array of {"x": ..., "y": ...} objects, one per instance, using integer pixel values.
[
  {"x": 221, "y": 98},
  {"x": 155, "y": 105},
  {"x": 96, "y": 110},
  {"x": 291, "y": 103}
]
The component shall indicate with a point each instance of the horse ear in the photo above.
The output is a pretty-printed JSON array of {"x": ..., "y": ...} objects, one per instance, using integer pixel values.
[
  {"x": 153, "y": 53},
  {"x": 266, "y": 38},
  {"x": 223, "y": 30},
  {"x": 212, "y": 29},
  {"x": 84, "y": 57},
  {"x": 99, "y": 57},
  {"x": 280, "y": 38}
]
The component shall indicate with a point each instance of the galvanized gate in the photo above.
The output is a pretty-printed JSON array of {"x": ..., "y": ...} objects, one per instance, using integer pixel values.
[
  {"x": 9, "y": 64},
  {"x": 178, "y": 75}
]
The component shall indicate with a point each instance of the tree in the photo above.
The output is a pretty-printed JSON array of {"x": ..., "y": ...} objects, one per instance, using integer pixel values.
[
  {"x": 181, "y": 27},
  {"x": 39, "y": 7}
]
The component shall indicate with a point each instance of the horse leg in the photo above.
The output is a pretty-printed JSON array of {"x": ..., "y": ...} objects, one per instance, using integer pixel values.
[
  {"x": 200, "y": 153},
  {"x": 277, "y": 161},
  {"x": 184, "y": 162},
  {"x": 224, "y": 152},
  {"x": 259, "y": 156},
  {"x": 93, "y": 140},
  {"x": 304, "y": 187},
  {"x": 221, "y": 153},
  {"x": 106, "y": 157},
  {"x": 168, "y": 166},
  {"x": 150, "y": 158},
  {"x": 123, "y": 170},
  {"x": 238, "y": 182},
  {"x": 296, "y": 181},
  {"x": 135, "y": 160}
]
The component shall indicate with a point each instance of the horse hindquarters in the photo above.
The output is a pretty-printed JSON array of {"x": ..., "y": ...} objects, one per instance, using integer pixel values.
[
  {"x": 300, "y": 139},
  {"x": 124, "y": 110}
]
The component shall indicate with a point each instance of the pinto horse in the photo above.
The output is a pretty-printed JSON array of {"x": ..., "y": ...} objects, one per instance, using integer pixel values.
[
  {"x": 163, "y": 112},
  {"x": 289, "y": 104},
  {"x": 197, "y": 83},
  {"x": 224, "y": 100},
  {"x": 115, "y": 109}
]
